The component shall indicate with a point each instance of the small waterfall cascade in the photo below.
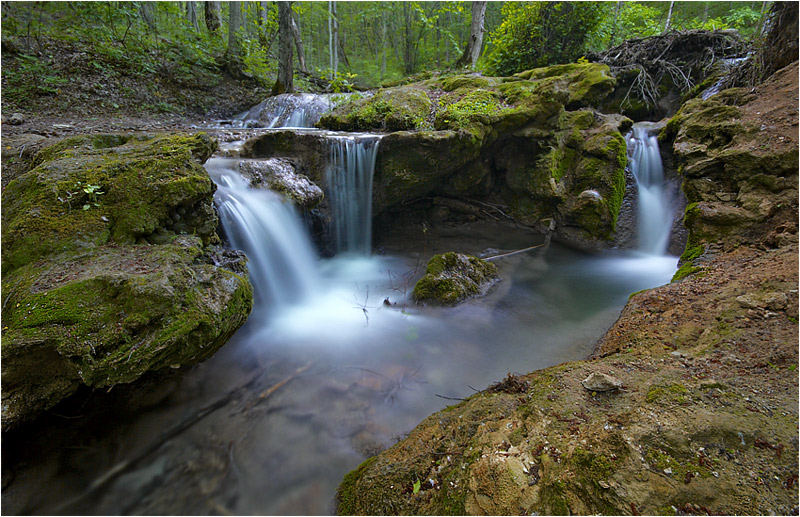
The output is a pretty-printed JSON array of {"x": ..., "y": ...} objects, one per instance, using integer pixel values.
[
  {"x": 288, "y": 110},
  {"x": 281, "y": 259},
  {"x": 349, "y": 177},
  {"x": 654, "y": 210}
]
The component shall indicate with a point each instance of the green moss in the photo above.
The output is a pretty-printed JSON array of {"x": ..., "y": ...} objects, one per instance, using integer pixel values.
[
  {"x": 593, "y": 467},
  {"x": 553, "y": 498},
  {"x": 684, "y": 271},
  {"x": 347, "y": 493},
  {"x": 471, "y": 82},
  {"x": 393, "y": 109},
  {"x": 662, "y": 461},
  {"x": 452, "y": 277},
  {"x": 465, "y": 109},
  {"x": 142, "y": 183},
  {"x": 586, "y": 84},
  {"x": 667, "y": 394}
]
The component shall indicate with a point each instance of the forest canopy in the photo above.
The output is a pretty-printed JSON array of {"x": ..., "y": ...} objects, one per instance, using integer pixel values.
[{"x": 340, "y": 45}]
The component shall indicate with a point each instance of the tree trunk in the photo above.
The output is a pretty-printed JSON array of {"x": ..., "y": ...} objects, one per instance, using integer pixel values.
[
  {"x": 298, "y": 42},
  {"x": 212, "y": 17},
  {"x": 409, "y": 65},
  {"x": 234, "y": 52},
  {"x": 191, "y": 15},
  {"x": 384, "y": 44},
  {"x": 333, "y": 38},
  {"x": 284, "y": 82},
  {"x": 669, "y": 16},
  {"x": 146, "y": 12},
  {"x": 473, "y": 50}
]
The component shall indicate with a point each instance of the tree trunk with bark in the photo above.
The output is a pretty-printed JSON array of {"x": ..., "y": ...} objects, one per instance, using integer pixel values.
[
  {"x": 298, "y": 43},
  {"x": 473, "y": 49},
  {"x": 191, "y": 15},
  {"x": 212, "y": 17},
  {"x": 285, "y": 81},
  {"x": 234, "y": 53}
]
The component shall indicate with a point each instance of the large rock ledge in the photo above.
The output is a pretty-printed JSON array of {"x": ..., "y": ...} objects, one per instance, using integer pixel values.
[
  {"x": 110, "y": 267},
  {"x": 706, "y": 418}
]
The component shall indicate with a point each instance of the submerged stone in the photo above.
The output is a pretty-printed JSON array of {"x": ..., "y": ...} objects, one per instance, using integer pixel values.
[{"x": 453, "y": 277}]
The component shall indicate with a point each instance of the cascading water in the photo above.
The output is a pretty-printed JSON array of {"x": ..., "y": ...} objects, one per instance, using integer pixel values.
[
  {"x": 654, "y": 211},
  {"x": 281, "y": 260},
  {"x": 349, "y": 177},
  {"x": 288, "y": 110}
]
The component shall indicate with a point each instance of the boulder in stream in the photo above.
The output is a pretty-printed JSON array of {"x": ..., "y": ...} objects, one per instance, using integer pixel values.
[
  {"x": 453, "y": 277},
  {"x": 111, "y": 267}
]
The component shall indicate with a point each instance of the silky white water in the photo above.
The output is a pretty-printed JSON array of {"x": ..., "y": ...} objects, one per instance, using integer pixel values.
[
  {"x": 349, "y": 191},
  {"x": 654, "y": 213}
]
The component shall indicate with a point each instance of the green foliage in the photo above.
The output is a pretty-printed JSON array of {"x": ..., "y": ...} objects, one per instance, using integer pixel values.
[{"x": 537, "y": 34}]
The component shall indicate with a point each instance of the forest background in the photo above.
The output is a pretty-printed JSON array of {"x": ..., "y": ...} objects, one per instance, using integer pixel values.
[{"x": 62, "y": 55}]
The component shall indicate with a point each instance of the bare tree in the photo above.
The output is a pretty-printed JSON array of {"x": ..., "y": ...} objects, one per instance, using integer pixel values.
[
  {"x": 298, "y": 43},
  {"x": 669, "y": 16},
  {"x": 473, "y": 48},
  {"x": 212, "y": 17},
  {"x": 285, "y": 81}
]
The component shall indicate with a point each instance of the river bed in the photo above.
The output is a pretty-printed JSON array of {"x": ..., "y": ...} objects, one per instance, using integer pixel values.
[{"x": 333, "y": 380}]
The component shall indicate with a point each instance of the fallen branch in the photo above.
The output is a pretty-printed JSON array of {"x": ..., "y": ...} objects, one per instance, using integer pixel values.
[{"x": 514, "y": 252}]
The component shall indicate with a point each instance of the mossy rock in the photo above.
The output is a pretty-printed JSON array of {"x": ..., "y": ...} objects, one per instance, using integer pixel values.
[
  {"x": 584, "y": 84},
  {"x": 412, "y": 164},
  {"x": 83, "y": 193},
  {"x": 392, "y": 109},
  {"x": 108, "y": 315},
  {"x": 109, "y": 267},
  {"x": 453, "y": 277}
]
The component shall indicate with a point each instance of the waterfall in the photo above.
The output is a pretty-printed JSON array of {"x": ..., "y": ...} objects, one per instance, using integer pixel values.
[
  {"x": 289, "y": 110},
  {"x": 281, "y": 259},
  {"x": 349, "y": 178},
  {"x": 654, "y": 211}
]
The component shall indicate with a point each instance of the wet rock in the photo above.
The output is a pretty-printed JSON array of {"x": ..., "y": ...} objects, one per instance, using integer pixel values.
[
  {"x": 280, "y": 175},
  {"x": 600, "y": 382},
  {"x": 453, "y": 277},
  {"x": 115, "y": 275}
]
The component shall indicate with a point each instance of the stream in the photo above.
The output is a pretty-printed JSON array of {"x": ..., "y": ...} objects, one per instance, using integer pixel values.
[{"x": 314, "y": 384}]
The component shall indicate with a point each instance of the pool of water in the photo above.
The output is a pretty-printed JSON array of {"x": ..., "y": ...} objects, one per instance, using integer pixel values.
[{"x": 332, "y": 380}]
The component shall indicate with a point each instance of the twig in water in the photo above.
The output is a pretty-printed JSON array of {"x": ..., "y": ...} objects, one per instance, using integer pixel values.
[
  {"x": 448, "y": 398},
  {"x": 513, "y": 252}
]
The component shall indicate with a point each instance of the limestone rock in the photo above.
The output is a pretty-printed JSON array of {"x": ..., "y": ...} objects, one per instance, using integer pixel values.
[
  {"x": 601, "y": 382},
  {"x": 16, "y": 119},
  {"x": 118, "y": 277},
  {"x": 279, "y": 175},
  {"x": 453, "y": 277}
]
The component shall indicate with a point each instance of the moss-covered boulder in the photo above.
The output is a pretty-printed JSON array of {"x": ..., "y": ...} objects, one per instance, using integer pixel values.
[
  {"x": 88, "y": 190},
  {"x": 453, "y": 277},
  {"x": 392, "y": 109},
  {"x": 109, "y": 267}
]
